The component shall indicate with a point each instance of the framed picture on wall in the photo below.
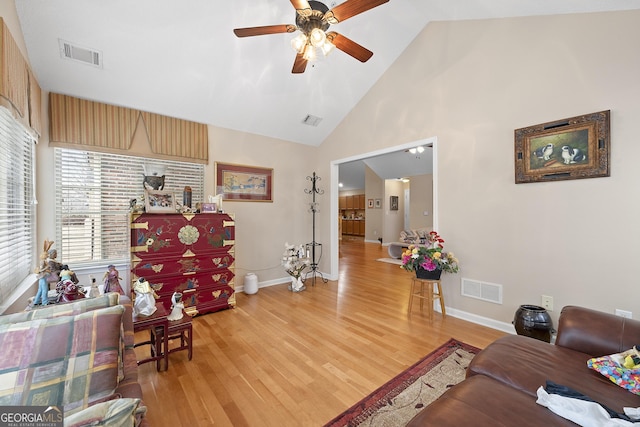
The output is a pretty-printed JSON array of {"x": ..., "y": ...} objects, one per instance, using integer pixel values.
[
  {"x": 244, "y": 183},
  {"x": 573, "y": 148},
  {"x": 370, "y": 203},
  {"x": 378, "y": 203},
  {"x": 393, "y": 203}
]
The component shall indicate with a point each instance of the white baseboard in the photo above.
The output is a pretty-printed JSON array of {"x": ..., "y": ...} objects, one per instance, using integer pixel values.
[
  {"x": 279, "y": 281},
  {"x": 479, "y": 320}
]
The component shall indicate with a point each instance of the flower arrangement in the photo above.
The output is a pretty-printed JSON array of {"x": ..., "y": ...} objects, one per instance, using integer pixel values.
[
  {"x": 294, "y": 261},
  {"x": 429, "y": 256}
]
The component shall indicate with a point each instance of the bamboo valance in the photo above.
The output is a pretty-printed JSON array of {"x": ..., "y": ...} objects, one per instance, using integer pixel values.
[
  {"x": 98, "y": 126},
  {"x": 92, "y": 124},
  {"x": 19, "y": 90},
  {"x": 176, "y": 137}
]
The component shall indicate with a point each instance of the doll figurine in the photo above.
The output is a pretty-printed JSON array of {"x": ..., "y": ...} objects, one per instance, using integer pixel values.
[
  {"x": 145, "y": 298},
  {"x": 68, "y": 289},
  {"x": 176, "y": 307},
  {"x": 95, "y": 291},
  {"x": 47, "y": 272},
  {"x": 112, "y": 280}
]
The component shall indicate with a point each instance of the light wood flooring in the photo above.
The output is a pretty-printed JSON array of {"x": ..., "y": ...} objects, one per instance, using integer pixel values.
[{"x": 299, "y": 359}]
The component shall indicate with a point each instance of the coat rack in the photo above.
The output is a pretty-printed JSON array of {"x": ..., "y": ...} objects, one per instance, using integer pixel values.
[{"x": 314, "y": 249}]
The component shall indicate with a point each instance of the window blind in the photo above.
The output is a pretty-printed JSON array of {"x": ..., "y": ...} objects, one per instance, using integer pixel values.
[
  {"x": 16, "y": 203},
  {"x": 93, "y": 195}
]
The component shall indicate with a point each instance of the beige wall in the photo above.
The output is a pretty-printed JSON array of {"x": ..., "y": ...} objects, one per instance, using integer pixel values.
[
  {"x": 470, "y": 84},
  {"x": 374, "y": 187},
  {"x": 393, "y": 220},
  {"x": 421, "y": 201}
]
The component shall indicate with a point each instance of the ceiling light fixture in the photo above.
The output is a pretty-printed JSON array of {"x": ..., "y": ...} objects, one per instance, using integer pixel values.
[
  {"x": 313, "y": 19},
  {"x": 419, "y": 149},
  {"x": 313, "y": 36}
]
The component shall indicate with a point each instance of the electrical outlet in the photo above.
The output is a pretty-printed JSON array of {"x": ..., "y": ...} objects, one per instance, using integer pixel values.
[
  {"x": 623, "y": 313},
  {"x": 547, "y": 302}
]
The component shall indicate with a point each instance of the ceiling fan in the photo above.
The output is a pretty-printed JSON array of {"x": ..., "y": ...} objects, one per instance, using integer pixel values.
[{"x": 313, "y": 19}]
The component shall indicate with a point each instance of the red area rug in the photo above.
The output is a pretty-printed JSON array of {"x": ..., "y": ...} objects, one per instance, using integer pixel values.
[{"x": 399, "y": 400}]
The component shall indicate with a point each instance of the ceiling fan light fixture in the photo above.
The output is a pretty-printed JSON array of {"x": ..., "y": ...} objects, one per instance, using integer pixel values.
[
  {"x": 413, "y": 150},
  {"x": 420, "y": 149},
  {"x": 317, "y": 37},
  {"x": 327, "y": 47},
  {"x": 309, "y": 53},
  {"x": 299, "y": 42}
]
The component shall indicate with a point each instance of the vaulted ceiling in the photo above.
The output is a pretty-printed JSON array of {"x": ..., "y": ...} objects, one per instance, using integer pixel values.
[{"x": 180, "y": 58}]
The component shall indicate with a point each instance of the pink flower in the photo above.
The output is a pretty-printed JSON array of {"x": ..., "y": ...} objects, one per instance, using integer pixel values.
[{"x": 428, "y": 265}]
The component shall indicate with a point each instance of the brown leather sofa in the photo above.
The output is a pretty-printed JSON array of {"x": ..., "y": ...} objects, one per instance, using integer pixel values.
[{"x": 500, "y": 388}]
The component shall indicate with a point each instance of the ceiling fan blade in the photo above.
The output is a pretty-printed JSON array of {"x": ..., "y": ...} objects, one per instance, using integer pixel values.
[
  {"x": 302, "y": 7},
  {"x": 299, "y": 65},
  {"x": 268, "y": 29},
  {"x": 349, "y": 47},
  {"x": 350, "y": 8}
]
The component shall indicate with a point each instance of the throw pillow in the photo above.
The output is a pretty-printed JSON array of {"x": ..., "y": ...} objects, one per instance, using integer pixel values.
[
  {"x": 68, "y": 361},
  {"x": 57, "y": 310},
  {"x": 613, "y": 368},
  {"x": 113, "y": 413}
]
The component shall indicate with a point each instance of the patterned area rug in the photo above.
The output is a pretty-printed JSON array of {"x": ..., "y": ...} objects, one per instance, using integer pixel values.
[{"x": 399, "y": 400}]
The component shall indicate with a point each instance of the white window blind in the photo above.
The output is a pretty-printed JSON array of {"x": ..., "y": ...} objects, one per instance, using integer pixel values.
[
  {"x": 93, "y": 195},
  {"x": 16, "y": 203}
]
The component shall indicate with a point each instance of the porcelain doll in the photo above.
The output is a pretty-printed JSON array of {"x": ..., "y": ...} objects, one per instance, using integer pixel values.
[
  {"x": 176, "y": 307},
  {"x": 145, "y": 298},
  {"x": 112, "y": 280},
  {"x": 68, "y": 289}
]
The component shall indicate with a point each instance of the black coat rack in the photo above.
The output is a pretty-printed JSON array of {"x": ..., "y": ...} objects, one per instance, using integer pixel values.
[{"x": 314, "y": 249}]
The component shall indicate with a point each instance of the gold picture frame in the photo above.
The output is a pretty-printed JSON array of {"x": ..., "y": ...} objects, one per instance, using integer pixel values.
[
  {"x": 243, "y": 183},
  {"x": 573, "y": 148}
]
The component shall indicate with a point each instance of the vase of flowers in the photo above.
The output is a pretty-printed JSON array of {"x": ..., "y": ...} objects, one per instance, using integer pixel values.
[
  {"x": 428, "y": 259},
  {"x": 294, "y": 261}
]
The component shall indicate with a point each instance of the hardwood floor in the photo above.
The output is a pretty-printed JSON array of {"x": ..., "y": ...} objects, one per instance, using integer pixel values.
[{"x": 299, "y": 359}]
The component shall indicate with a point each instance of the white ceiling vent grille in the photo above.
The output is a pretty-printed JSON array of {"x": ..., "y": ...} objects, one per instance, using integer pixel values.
[
  {"x": 481, "y": 290},
  {"x": 311, "y": 120},
  {"x": 80, "y": 54}
]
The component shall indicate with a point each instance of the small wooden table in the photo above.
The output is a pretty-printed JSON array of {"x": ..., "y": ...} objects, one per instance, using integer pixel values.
[
  {"x": 178, "y": 329},
  {"x": 156, "y": 320}
]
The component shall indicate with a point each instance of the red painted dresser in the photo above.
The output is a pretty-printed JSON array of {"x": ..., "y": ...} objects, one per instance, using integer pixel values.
[{"x": 188, "y": 253}]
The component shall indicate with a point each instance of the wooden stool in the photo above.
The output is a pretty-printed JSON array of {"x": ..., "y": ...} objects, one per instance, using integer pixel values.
[
  {"x": 178, "y": 329},
  {"x": 430, "y": 294}
]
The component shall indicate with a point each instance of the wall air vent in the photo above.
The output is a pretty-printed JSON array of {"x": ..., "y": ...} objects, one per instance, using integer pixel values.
[
  {"x": 311, "y": 120},
  {"x": 80, "y": 54},
  {"x": 481, "y": 290}
]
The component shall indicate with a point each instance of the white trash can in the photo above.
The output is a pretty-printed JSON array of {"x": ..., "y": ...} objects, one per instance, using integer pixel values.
[{"x": 250, "y": 284}]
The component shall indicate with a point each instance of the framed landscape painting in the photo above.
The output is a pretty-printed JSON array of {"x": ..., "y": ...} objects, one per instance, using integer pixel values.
[
  {"x": 244, "y": 183},
  {"x": 573, "y": 148}
]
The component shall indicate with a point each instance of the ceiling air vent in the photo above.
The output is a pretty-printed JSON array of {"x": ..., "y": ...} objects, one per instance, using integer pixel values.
[
  {"x": 80, "y": 54},
  {"x": 311, "y": 120}
]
